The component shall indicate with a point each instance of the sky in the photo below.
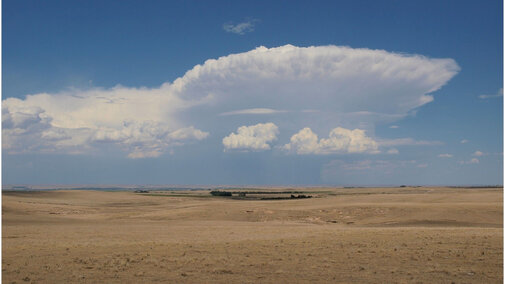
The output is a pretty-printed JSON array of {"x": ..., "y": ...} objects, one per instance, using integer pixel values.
[{"x": 252, "y": 92}]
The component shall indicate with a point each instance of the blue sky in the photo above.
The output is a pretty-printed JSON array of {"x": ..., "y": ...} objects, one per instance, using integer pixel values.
[{"x": 397, "y": 92}]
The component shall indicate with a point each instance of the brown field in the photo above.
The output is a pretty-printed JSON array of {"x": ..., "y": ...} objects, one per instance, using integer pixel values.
[{"x": 371, "y": 235}]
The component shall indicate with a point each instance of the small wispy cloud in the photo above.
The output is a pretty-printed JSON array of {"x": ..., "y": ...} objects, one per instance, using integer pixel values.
[
  {"x": 253, "y": 111},
  {"x": 471, "y": 161},
  {"x": 478, "y": 153},
  {"x": 497, "y": 95},
  {"x": 383, "y": 166},
  {"x": 407, "y": 142},
  {"x": 310, "y": 111},
  {"x": 464, "y": 141},
  {"x": 240, "y": 28},
  {"x": 394, "y": 126},
  {"x": 393, "y": 151},
  {"x": 445, "y": 156}
]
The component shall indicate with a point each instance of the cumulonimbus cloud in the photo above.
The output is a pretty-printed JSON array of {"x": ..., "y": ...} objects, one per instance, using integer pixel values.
[
  {"x": 325, "y": 78},
  {"x": 340, "y": 140},
  {"x": 252, "y": 138},
  {"x": 330, "y": 81}
]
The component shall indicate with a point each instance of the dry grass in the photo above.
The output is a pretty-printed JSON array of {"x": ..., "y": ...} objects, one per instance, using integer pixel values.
[{"x": 373, "y": 235}]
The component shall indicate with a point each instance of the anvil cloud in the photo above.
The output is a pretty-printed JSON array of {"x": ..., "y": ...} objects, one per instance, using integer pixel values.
[{"x": 147, "y": 122}]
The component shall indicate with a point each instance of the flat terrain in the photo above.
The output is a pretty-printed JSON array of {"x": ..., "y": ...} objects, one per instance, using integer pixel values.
[{"x": 358, "y": 235}]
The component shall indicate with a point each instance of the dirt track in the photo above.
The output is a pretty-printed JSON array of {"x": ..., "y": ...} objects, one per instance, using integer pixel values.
[{"x": 403, "y": 235}]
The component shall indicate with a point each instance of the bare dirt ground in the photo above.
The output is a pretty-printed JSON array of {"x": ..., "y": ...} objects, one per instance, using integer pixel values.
[{"x": 372, "y": 235}]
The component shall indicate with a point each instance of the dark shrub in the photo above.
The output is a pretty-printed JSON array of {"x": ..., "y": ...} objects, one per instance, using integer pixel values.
[{"x": 220, "y": 193}]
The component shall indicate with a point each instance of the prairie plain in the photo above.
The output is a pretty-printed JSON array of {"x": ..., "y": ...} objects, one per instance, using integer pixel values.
[{"x": 340, "y": 235}]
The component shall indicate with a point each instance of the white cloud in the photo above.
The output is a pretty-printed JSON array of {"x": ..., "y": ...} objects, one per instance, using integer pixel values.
[
  {"x": 252, "y": 138},
  {"x": 497, "y": 95},
  {"x": 393, "y": 151},
  {"x": 340, "y": 140},
  {"x": 471, "y": 161},
  {"x": 445, "y": 156},
  {"x": 478, "y": 153},
  {"x": 327, "y": 80},
  {"x": 253, "y": 111},
  {"x": 240, "y": 28},
  {"x": 136, "y": 120},
  {"x": 324, "y": 78},
  {"x": 464, "y": 141},
  {"x": 394, "y": 126},
  {"x": 147, "y": 140}
]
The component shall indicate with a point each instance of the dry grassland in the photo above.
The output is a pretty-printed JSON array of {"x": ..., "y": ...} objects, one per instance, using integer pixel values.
[{"x": 371, "y": 235}]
